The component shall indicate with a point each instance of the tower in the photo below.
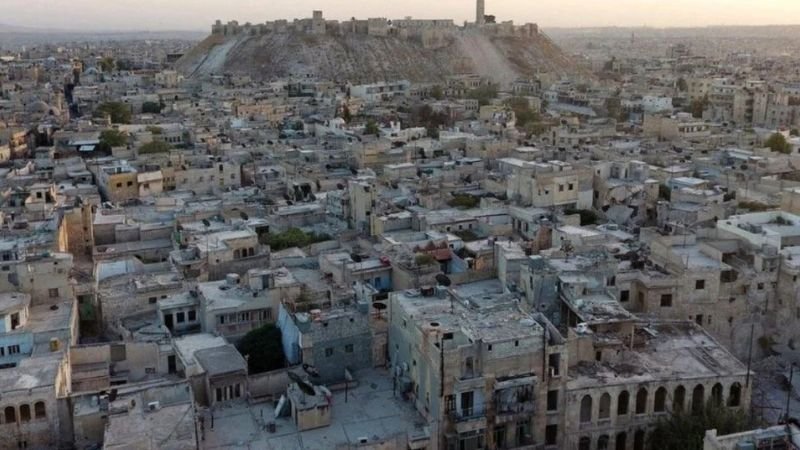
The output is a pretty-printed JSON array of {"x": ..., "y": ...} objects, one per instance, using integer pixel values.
[{"x": 480, "y": 12}]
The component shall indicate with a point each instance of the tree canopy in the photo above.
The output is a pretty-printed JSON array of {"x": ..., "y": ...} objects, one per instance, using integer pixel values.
[
  {"x": 685, "y": 431},
  {"x": 484, "y": 94},
  {"x": 151, "y": 108},
  {"x": 293, "y": 237},
  {"x": 372, "y": 128},
  {"x": 154, "y": 147},
  {"x": 113, "y": 138},
  {"x": 263, "y": 349},
  {"x": 118, "y": 112},
  {"x": 778, "y": 143}
]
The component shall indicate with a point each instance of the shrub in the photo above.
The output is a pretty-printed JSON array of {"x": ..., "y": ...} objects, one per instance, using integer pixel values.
[
  {"x": 778, "y": 143},
  {"x": 424, "y": 259},
  {"x": 118, "y": 111},
  {"x": 464, "y": 201}
]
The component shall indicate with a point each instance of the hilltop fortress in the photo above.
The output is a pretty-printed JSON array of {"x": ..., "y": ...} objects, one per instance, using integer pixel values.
[{"x": 430, "y": 33}]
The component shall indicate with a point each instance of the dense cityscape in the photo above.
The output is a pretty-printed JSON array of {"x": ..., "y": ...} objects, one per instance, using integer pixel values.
[{"x": 400, "y": 234}]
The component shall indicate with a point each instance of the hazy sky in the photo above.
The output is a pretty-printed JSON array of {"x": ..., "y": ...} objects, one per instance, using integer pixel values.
[{"x": 198, "y": 14}]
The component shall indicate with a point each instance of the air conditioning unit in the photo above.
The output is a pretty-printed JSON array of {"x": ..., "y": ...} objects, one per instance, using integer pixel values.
[{"x": 153, "y": 406}]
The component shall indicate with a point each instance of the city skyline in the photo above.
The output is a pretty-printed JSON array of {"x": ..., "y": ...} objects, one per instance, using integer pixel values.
[{"x": 195, "y": 15}]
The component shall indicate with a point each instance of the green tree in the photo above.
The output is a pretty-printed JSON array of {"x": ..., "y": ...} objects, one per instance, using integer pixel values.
[
  {"x": 153, "y": 129},
  {"x": 263, "y": 349},
  {"x": 685, "y": 430},
  {"x": 293, "y": 237},
  {"x": 794, "y": 132},
  {"x": 118, "y": 111},
  {"x": 484, "y": 94},
  {"x": 372, "y": 128},
  {"x": 437, "y": 92},
  {"x": 346, "y": 114},
  {"x": 682, "y": 85},
  {"x": 151, "y": 108},
  {"x": 778, "y": 143},
  {"x": 113, "y": 138},
  {"x": 464, "y": 201},
  {"x": 106, "y": 64},
  {"x": 664, "y": 192},
  {"x": 154, "y": 147},
  {"x": 522, "y": 110},
  {"x": 698, "y": 106}
]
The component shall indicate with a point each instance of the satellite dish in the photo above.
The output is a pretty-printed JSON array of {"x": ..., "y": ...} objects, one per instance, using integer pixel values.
[
  {"x": 355, "y": 257},
  {"x": 206, "y": 223},
  {"x": 311, "y": 370},
  {"x": 244, "y": 216},
  {"x": 340, "y": 186},
  {"x": 443, "y": 280}
]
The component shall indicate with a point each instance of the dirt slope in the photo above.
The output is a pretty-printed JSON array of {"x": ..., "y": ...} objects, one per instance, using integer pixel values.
[{"x": 359, "y": 58}]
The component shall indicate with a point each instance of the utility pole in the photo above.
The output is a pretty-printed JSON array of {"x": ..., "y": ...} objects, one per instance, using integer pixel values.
[{"x": 789, "y": 394}]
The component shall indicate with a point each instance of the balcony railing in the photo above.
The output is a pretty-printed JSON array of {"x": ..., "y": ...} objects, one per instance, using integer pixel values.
[{"x": 465, "y": 414}]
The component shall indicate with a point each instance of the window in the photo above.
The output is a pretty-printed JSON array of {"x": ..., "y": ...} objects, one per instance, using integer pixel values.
[
  {"x": 585, "y": 443},
  {"x": 624, "y": 296},
  {"x": 130, "y": 183},
  {"x": 611, "y": 281},
  {"x": 621, "y": 438},
  {"x": 152, "y": 300},
  {"x": 552, "y": 400},
  {"x": 39, "y": 410},
  {"x": 192, "y": 315},
  {"x": 449, "y": 403},
  {"x": 622, "y": 403},
  {"x": 551, "y": 435},
  {"x": 119, "y": 185},
  {"x": 660, "y": 405},
  {"x": 180, "y": 317},
  {"x": 571, "y": 187},
  {"x": 605, "y": 406},
  {"x": 328, "y": 352},
  {"x": 219, "y": 394},
  {"x": 678, "y": 399},
  {"x": 666, "y": 300},
  {"x": 586, "y": 409},
  {"x": 735, "y": 395},
  {"x": 25, "y": 413},
  {"x": 638, "y": 440},
  {"x": 10, "y": 414},
  {"x": 52, "y": 292},
  {"x": 700, "y": 284},
  {"x": 554, "y": 363},
  {"x": 602, "y": 442},
  {"x": 348, "y": 348},
  {"x": 641, "y": 401},
  {"x": 560, "y": 188},
  {"x": 760, "y": 286},
  {"x": 13, "y": 349}
]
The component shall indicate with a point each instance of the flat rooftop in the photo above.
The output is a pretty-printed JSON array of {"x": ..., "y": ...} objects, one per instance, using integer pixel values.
[
  {"x": 661, "y": 351},
  {"x": 372, "y": 411}
]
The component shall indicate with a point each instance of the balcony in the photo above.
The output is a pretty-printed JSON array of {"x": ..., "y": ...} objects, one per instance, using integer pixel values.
[{"x": 467, "y": 414}]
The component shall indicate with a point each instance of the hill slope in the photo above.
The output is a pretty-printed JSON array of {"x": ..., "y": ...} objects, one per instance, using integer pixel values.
[{"x": 360, "y": 58}]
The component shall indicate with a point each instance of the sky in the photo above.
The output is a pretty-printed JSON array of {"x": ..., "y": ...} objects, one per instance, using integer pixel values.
[{"x": 199, "y": 14}]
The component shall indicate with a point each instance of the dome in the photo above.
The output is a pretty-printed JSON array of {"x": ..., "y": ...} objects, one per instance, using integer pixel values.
[{"x": 38, "y": 107}]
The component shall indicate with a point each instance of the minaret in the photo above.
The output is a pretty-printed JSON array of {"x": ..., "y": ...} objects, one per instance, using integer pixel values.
[{"x": 480, "y": 12}]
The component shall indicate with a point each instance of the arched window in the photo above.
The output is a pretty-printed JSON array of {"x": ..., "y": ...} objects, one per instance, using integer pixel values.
[
  {"x": 586, "y": 409},
  {"x": 605, "y": 407},
  {"x": 641, "y": 401},
  {"x": 698, "y": 397},
  {"x": 25, "y": 413},
  {"x": 660, "y": 404},
  {"x": 678, "y": 399},
  {"x": 638, "y": 440},
  {"x": 735, "y": 395},
  {"x": 585, "y": 443},
  {"x": 602, "y": 442},
  {"x": 10, "y": 414},
  {"x": 236, "y": 254},
  {"x": 39, "y": 410},
  {"x": 251, "y": 251},
  {"x": 621, "y": 441},
  {"x": 622, "y": 403},
  {"x": 716, "y": 395}
]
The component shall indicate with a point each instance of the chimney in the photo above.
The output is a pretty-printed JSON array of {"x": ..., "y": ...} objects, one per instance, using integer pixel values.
[{"x": 480, "y": 12}]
